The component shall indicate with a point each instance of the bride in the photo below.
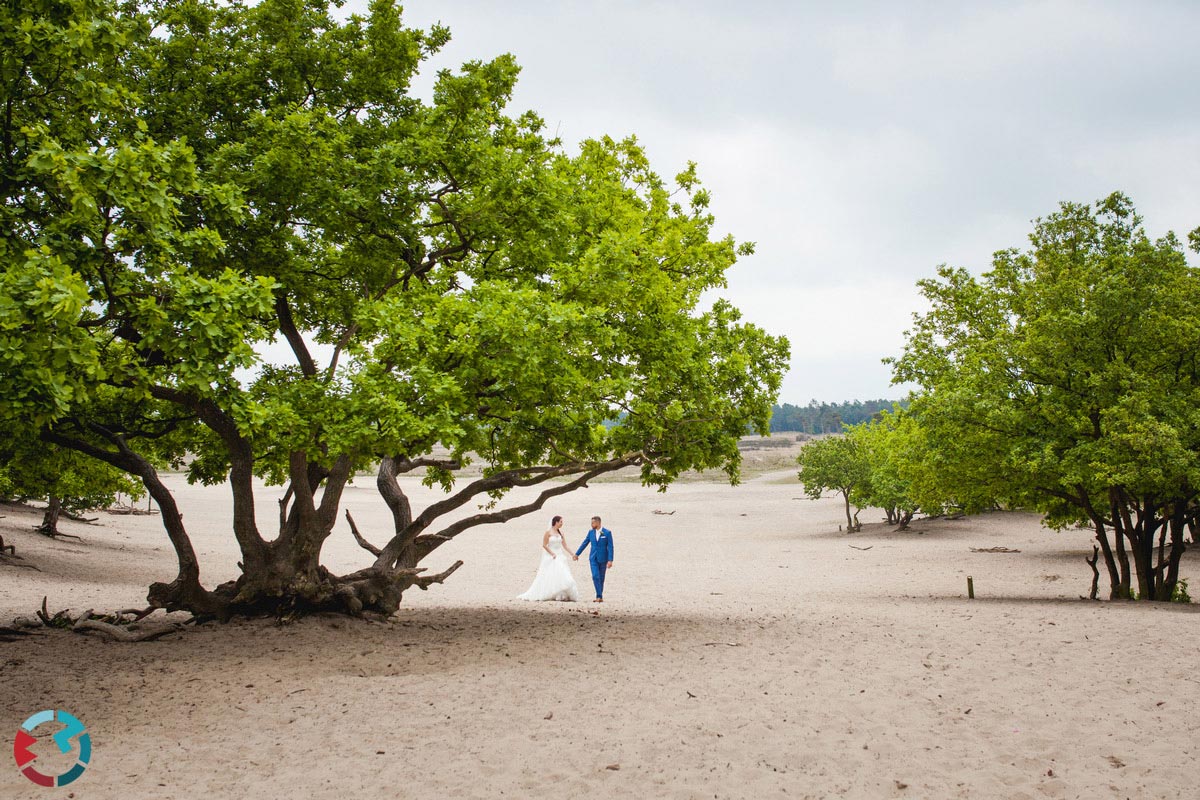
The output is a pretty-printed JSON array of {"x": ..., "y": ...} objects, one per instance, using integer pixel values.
[{"x": 554, "y": 580}]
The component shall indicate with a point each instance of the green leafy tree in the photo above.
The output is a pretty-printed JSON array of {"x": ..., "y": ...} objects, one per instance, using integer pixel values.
[
  {"x": 444, "y": 275},
  {"x": 1067, "y": 379},
  {"x": 886, "y": 445},
  {"x": 871, "y": 464},
  {"x": 835, "y": 463},
  {"x": 68, "y": 482}
]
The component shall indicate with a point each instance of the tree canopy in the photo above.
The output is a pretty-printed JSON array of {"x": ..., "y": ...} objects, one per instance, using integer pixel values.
[
  {"x": 1067, "y": 379},
  {"x": 835, "y": 463},
  {"x": 187, "y": 181}
]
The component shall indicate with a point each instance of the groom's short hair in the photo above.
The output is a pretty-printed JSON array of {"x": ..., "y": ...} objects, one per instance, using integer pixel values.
[{"x": 596, "y": 519}]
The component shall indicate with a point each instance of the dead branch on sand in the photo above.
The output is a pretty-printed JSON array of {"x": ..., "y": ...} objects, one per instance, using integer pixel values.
[
  {"x": 121, "y": 634},
  {"x": 114, "y": 626}
]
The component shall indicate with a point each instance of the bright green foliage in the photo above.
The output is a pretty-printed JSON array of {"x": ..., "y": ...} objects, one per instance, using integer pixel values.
[
  {"x": 876, "y": 464},
  {"x": 835, "y": 463},
  {"x": 888, "y": 445},
  {"x": 257, "y": 173},
  {"x": 1181, "y": 592},
  {"x": 1068, "y": 379},
  {"x": 32, "y": 471}
]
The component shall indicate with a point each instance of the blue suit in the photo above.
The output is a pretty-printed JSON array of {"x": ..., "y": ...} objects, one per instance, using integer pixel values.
[{"x": 601, "y": 542}]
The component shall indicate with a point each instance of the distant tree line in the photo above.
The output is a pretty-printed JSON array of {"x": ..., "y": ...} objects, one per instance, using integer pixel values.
[{"x": 818, "y": 418}]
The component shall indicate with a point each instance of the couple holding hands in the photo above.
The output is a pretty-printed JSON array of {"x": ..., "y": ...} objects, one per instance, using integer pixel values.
[{"x": 554, "y": 580}]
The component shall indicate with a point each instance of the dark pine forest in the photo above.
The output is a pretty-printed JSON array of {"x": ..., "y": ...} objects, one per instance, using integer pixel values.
[{"x": 818, "y": 418}]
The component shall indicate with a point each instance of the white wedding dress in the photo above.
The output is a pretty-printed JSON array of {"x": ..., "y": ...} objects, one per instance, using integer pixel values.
[{"x": 554, "y": 580}]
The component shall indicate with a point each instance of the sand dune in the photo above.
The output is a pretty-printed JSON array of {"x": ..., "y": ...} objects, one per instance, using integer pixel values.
[{"x": 746, "y": 650}]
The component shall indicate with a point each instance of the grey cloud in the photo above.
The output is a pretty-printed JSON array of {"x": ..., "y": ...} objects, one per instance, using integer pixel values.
[{"x": 862, "y": 144}]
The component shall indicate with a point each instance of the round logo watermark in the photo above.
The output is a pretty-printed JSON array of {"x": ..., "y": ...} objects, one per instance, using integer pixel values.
[{"x": 65, "y": 739}]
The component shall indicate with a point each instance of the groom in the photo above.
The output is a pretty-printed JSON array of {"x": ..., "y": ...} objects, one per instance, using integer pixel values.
[{"x": 601, "y": 558}]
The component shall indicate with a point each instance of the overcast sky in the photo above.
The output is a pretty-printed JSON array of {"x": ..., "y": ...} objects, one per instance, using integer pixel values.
[{"x": 862, "y": 144}]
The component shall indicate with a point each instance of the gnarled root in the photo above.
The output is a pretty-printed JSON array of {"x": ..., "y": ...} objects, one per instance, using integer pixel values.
[
  {"x": 182, "y": 594},
  {"x": 114, "y": 626},
  {"x": 122, "y": 634},
  {"x": 371, "y": 591}
]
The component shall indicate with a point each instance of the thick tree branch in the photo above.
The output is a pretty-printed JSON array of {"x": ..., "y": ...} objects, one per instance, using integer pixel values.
[
  {"x": 507, "y": 479},
  {"x": 287, "y": 326},
  {"x": 134, "y": 463},
  {"x": 403, "y": 465},
  {"x": 397, "y": 501},
  {"x": 335, "y": 484},
  {"x": 343, "y": 341},
  {"x": 450, "y": 531},
  {"x": 241, "y": 466},
  {"x": 116, "y": 459},
  {"x": 299, "y": 483},
  {"x": 513, "y": 478},
  {"x": 393, "y": 495}
]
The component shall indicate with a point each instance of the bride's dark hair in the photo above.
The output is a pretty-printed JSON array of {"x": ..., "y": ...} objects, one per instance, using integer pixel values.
[{"x": 557, "y": 519}]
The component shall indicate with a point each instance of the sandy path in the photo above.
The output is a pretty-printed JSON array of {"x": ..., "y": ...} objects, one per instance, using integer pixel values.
[{"x": 746, "y": 650}]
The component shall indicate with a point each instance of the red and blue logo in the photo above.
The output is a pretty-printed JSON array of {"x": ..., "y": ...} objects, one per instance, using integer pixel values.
[{"x": 65, "y": 739}]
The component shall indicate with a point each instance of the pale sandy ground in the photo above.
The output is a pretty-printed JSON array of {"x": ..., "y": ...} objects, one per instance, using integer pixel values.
[{"x": 746, "y": 651}]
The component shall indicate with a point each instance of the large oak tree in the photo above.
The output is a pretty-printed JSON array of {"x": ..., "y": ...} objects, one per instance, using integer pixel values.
[
  {"x": 186, "y": 181},
  {"x": 1067, "y": 378}
]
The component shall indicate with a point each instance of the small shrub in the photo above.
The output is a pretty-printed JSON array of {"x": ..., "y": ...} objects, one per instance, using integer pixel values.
[{"x": 1180, "y": 595}]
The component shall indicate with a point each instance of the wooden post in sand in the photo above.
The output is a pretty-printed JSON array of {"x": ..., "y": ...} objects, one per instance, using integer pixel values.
[{"x": 970, "y": 587}]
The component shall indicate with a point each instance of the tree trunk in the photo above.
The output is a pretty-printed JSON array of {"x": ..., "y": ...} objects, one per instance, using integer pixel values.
[
  {"x": 1120, "y": 521},
  {"x": 49, "y": 526},
  {"x": 185, "y": 592},
  {"x": 1091, "y": 562},
  {"x": 289, "y": 578},
  {"x": 1178, "y": 547},
  {"x": 1143, "y": 554},
  {"x": 1141, "y": 521},
  {"x": 1110, "y": 563},
  {"x": 849, "y": 518}
]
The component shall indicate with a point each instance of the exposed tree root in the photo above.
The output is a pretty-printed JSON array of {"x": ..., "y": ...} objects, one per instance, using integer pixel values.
[
  {"x": 138, "y": 614},
  {"x": 9, "y": 557},
  {"x": 130, "y": 511},
  {"x": 115, "y": 626},
  {"x": 121, "y": 634},
  {"x": 55, "y": 533},
  {"x": 373, "y": 592}
]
